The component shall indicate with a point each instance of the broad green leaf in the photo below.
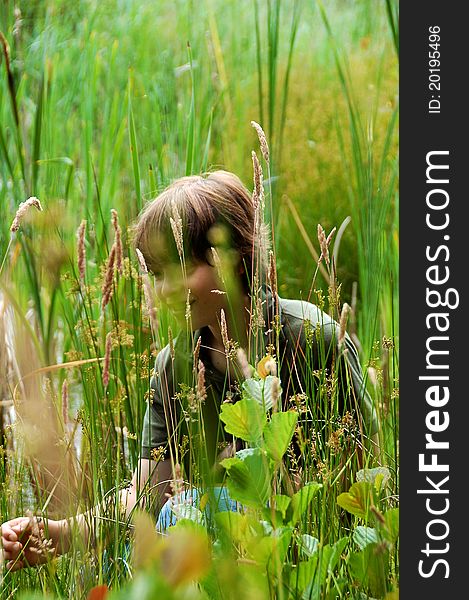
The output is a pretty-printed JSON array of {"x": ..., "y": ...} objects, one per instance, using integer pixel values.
[
  {"x": 391, "y": 517},
  {"x": 240, "y": 528},
  {"x": 272, "y": 550},
  {"x": 261, "y": 391},
  {"x": 302, "y": 499},
  {"x": 328, "y": 557},
  {"x": 249, "y": 478},
  {"x": 308, "y": 544},
  {"x": 363, "y": 536},
  {"x": 244, "y": 419},
  {"x": 302, "y": 575},
  {"x": 281, "y": 503},
  {"x": 370, "y": 567},
  {"x": 357, "y": 499},
  {"x": 279, "y": 432},
  {"x": 334, "y": 554}
]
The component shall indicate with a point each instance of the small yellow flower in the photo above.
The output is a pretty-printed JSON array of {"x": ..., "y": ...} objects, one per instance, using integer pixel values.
[{"x": 266, "y": 366}]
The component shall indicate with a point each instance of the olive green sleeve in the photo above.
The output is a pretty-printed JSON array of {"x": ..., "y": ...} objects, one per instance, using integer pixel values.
[{"x": 157, "y": 419}]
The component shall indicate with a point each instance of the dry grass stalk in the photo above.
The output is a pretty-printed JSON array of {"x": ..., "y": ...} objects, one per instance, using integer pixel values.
[
  {"x": 150, "y": 303},
  {"x": 171, "y": 344},
  {"x": 107, "y": 360},
  {"x": 141, "y": 260},
  {"x": 224, "y": 331},
  {"x": 176, "y": 226},
  {"x": 243, "y": 363},
  {"x": 108, "y": 279},
  {"x": 258, "y": 191},
  {"x": 343, "y": 323},
  {"x": 272, "y": 273},
  {"x": 262, "y": 140},
  {"x": 81, "y": 253},
  {"x": 201, "y": 391},
  {"x": 65, "y": 403},
  {"x": 324, "y": 243},
  {"x": 197, "y": 352},
  {"x": 275, "y": 391},
  {"x": 22, "y": 210},
  {"x": 118, "y": 241}
]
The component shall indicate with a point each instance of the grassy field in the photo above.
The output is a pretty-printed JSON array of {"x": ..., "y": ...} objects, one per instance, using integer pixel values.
[{"x": 102, "y": 104}]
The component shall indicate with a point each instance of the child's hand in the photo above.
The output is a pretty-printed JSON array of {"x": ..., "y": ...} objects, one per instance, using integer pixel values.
[{"x": 24, "y": 541}]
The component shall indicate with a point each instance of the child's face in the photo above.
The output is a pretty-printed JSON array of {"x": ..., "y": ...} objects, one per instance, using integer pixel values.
[{"x": 201, "y": 279}]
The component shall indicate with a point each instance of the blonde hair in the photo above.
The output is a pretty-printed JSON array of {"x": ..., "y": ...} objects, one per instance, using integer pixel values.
[{"x": 202, "y": 202}]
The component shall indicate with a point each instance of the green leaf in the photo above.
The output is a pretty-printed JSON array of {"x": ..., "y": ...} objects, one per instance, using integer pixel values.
[
  {"x": 249, "y": 478},
  {"x": 244, "y": 419},
  {"x": 378, "y": 476},
  {"x": 328, "y": 557},
  {"x": 279, "y": 432},
  {"x": 308, "y": 544},
  {"x": 370, "y": 568},
  {"x": 303, "y": 574},
  {"x": 391, "y": 517},
  {"x": 271, "y": 550},
  {"x": 363, "y": 536},
  {"x": 240, "y": 528},
  {"x": 302, "y": 499},
  {"x": 281, "y": 503},
  {"x": 357, "y": 499},
  {"x": 260, "y": 390}
]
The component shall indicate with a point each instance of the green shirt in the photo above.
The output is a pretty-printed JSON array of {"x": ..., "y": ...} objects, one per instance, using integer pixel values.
[{"x": 307, "y": 342}]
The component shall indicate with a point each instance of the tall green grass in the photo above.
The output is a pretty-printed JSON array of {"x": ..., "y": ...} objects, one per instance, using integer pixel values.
[{"x": 101, "y": 105}]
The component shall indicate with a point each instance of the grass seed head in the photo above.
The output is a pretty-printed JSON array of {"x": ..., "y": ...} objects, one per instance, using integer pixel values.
[
  {"x": 107, "y": 360},
  {"x": 117, "y": 241},
  {"x": 262, "y": 140},
  {"x": 343, "y": 323},
  {"x": 22, "y": 210},
  {"x": 81, "y": 253},
  {"x": 108, "y": 279}
]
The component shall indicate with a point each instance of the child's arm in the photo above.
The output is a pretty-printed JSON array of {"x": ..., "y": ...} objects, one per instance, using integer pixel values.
[{"x": 24, "y": 540}]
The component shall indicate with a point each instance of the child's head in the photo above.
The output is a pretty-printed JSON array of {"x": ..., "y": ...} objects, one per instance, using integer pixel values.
[{"x": 202, "y": 203}]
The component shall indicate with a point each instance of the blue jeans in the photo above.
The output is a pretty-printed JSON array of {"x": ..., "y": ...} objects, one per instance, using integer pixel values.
[{"x": 218, "y": 501}]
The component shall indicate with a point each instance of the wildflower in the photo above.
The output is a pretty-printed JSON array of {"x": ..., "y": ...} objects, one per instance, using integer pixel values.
[
  {"x": 267, "y": 366},
  {"x": 262, "y": 140},
  {"x": 22, "y": 210}
]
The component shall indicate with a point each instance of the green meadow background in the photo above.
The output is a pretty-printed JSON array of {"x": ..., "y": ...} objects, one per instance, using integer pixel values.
[{"x": 102, "y": 104}]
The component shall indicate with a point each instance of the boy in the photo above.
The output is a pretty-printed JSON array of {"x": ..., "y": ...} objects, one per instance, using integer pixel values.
[{"x": 197, "y": 224}]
